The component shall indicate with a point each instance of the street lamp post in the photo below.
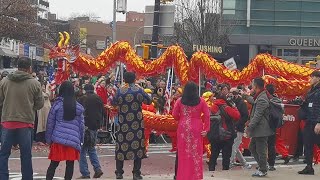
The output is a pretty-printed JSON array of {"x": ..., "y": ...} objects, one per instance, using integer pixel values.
[
  {"x": 135, "y": 35},
  {"x": 155, "y": 32},
  {"x": 114, "y": 23}
]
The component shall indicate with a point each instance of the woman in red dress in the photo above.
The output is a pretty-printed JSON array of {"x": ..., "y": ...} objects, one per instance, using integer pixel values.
[{"x": 65, "y": 131}]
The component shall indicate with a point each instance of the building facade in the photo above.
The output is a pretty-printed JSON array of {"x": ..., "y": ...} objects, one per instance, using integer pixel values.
[
  {"x": 289, "y": 29},
  {"x": 95, "y": 36}
]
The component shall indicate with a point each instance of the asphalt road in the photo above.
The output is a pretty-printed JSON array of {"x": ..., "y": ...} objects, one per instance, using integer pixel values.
[{"x": 159, "y": 165}]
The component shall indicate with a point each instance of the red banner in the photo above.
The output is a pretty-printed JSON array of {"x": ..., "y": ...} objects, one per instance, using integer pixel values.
[{"x": 289, "y": 131}]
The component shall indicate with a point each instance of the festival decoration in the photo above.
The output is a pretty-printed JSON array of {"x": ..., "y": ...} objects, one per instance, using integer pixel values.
[
  {"x": 174, "y": 56},
  {"x": 290, "y": 79},
  {"x": 160, "y": 123},
  {"x": 288, "y": 88}
]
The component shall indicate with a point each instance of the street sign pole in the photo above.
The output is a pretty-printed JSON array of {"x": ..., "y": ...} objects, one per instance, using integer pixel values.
[{"x": 155, "y": 32}]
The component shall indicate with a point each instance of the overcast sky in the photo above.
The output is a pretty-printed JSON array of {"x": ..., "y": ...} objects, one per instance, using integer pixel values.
[{"x": 101, "y": 8}]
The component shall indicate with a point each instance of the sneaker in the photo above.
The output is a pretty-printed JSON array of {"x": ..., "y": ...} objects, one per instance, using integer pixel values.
[
  {"x": 98, "y": 174},
  {"x": 232, "y": 165},
  {"x": 247, "y": 166},
  {"x": 307, "y": 171},
  {"x": 272, "y": 168},
  {"x": 259, "y": 174}
]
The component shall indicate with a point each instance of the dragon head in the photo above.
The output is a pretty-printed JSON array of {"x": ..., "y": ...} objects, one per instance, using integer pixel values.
[{"x": 63, "y": 51}]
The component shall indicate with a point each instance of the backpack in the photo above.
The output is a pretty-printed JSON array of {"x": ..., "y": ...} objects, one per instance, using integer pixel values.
[
  {"x": 276, "y": 113},
  {"x": 217, "y": 133}
]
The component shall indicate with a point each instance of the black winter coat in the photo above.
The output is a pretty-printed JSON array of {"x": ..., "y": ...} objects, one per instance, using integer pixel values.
[
  {"x": 243, "y": 109},
  {"x": 94, "y": 111}
]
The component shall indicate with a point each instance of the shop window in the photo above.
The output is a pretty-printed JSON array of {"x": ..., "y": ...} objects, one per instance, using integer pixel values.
[
  {"x": 290, "y": 52},
  {"x": 279, "y": 52},
  {"x": 310, "y": 52}
]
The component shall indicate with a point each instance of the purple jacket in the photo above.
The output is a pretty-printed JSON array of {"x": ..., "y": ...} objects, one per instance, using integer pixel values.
[{"x": 69, "y": 133}]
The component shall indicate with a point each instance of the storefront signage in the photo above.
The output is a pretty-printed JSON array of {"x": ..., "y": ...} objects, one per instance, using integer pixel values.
[
  {"x": 10, "y": 44},
  {"x": 26, "y": 50},
  {"x": 101, "y": 45},
  {"x": 304, "y": 42},
  {"x": 208, "y": 49}
]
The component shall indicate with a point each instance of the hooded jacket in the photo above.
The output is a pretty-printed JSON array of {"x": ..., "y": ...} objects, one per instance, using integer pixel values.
[{"x": 20, "y": 96}]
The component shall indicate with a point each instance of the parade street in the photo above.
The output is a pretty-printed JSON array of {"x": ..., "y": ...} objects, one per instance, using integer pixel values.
[{"x": 159, "y": 165}]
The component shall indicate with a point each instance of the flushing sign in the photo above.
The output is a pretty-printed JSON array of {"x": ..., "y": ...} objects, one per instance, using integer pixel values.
[{"x": 208, "y": 49}]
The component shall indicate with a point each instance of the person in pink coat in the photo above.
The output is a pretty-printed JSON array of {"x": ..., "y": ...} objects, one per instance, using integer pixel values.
[{"x": 193, "y": 116}]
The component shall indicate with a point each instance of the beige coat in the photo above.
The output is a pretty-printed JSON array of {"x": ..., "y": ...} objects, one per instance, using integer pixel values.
[{"x": 43, "y": 113}]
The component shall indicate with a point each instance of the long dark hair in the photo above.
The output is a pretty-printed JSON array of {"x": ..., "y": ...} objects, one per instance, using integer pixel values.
[
  {"x": 66, "y": 91},
  {"x": 190, "y": 96}
]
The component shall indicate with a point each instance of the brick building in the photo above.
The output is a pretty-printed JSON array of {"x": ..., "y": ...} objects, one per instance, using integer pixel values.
[{"x": 95, "y": 35}]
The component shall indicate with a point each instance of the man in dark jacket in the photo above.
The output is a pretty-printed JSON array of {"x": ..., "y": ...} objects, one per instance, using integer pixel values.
[
  {"x": 93, "y": 117},
  {"x": 258, "y": 128},
  {"x": 239, "y": 127},
  {"x": 20, "y": 96},
  {"x": 310, "y": 110}
]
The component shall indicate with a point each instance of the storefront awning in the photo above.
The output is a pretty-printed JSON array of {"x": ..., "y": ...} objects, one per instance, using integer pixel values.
[{"x": 7, "y": 52}]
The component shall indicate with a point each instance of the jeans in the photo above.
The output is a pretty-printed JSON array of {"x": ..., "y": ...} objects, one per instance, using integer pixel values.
[
  {"x": 259, "y": 147},
  {"x": 23, "y": 137},
  {"x": 92, "y": 152},
  {"x": 235, "y": 150},
  {"x": 272, "y": 150},
  {"x": 53, "y": 166}
]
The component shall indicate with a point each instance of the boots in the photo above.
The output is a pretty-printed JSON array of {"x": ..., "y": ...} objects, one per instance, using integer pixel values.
[{"x": 307, "y": 171}]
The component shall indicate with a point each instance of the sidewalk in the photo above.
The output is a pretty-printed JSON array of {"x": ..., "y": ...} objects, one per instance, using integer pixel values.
[{"x": 282, "y": 173}]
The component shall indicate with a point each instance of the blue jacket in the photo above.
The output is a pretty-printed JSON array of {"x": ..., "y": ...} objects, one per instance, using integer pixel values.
[{"x": 69, "y": 133}]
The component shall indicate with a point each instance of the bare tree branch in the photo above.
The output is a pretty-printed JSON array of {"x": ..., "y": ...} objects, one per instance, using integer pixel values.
[{"x": 193, "y": 28}]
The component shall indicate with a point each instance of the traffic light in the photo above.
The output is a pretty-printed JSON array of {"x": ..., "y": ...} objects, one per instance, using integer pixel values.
[
  {"x": 311, "y": 64},
  {"x": 143, "y": 50},
  {"x": 146, "y": 51}
]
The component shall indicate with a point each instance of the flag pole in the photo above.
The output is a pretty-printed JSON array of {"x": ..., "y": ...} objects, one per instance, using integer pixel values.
[
  {"x": 199, "y": 81},
  {"x": 170, "y": 91},
  {"x": 166, "y": 90}
]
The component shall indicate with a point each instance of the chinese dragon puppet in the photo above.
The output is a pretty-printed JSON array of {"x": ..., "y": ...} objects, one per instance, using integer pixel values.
[{"x": 291, "y": 79}]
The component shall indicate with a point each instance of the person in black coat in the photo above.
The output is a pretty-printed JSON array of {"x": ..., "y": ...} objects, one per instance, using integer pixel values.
[
  {"x": 93, "y": 116},
  {"x": 239, "y": 126},
  {"x": 310, "y": 111}
]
